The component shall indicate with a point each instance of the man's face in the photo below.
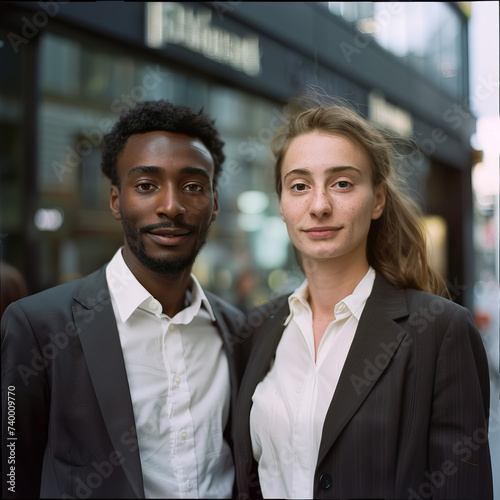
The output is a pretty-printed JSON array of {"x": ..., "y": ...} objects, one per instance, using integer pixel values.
[{"x": 165, "y": 199}]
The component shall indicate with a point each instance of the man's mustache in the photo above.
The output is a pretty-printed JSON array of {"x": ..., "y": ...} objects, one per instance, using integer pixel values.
[{"x": 167, "y": 225}]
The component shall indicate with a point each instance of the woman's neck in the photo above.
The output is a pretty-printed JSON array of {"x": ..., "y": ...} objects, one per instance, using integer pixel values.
[{"x": 330, "y": 282}]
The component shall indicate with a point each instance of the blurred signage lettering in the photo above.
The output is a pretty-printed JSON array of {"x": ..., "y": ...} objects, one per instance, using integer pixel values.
[
  {"x": 180, "y": 24},
  {"x": 388, "y": 115}
]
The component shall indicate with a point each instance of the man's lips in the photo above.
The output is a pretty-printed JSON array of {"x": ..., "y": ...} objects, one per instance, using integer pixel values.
[
  {"x": 322, "y": 232},
  {"x": 168, "y": 236},
  {"x": 169, "y": 240},
  {"x": 169, "y": 232}
]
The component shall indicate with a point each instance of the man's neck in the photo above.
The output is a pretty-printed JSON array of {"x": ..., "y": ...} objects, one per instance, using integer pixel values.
[{"x": 170, "y": 290}]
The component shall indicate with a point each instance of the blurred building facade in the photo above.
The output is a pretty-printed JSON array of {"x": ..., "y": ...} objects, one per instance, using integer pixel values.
[{"x": 68, "y": 69}]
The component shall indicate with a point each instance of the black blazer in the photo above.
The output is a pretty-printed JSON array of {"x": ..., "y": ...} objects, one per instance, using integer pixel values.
[
  {"x": 74, "y": 424},
  {"x": 409, "y": 415}
]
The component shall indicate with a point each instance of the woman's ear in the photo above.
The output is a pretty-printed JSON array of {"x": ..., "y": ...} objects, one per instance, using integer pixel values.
[{"x": 379, "y": 200}]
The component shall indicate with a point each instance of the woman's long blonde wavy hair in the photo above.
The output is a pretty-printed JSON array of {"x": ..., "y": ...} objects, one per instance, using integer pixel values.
[{"x": 396, "y": 246}]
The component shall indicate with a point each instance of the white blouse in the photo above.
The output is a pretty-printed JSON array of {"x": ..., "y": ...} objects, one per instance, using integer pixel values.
[{"x": 290, "y": 404}]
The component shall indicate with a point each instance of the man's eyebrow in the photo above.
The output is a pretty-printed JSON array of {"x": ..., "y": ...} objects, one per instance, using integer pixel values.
[
  {"x": 150, "y": 169},
  {"x": 195, "y": 171},
  {"x": 143, "y": 169},
  {"x": 330, "y": 170}
]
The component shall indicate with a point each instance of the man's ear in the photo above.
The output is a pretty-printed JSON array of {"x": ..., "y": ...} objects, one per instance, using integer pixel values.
[
  {"x": 216, "y": 209},
  {"x": 114, "y": 202}
]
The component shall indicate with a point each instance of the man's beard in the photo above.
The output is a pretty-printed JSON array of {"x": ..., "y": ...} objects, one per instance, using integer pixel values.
[{"x": 166, "y": 266}]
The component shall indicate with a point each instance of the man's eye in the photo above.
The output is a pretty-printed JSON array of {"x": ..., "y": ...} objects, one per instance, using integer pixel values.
[
  {"x": 144, "y": 187},
  {"x": 194, "y": 188}
]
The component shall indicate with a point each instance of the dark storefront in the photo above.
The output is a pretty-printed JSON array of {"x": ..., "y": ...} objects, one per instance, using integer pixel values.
[{"x": 70, "y": 68}]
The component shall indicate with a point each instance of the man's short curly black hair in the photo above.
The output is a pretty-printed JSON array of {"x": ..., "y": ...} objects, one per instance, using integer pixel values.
[{"x": 149, "y": 116}]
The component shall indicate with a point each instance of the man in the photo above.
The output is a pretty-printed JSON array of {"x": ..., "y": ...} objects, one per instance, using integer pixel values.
[{"x": 122, "y": 384}]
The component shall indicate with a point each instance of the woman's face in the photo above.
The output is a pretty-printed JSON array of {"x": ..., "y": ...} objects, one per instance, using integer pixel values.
[{"x": 328, "y": 199}]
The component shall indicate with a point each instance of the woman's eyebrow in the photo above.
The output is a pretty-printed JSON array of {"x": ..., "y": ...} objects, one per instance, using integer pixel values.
[{"x": 328, "y": 171}]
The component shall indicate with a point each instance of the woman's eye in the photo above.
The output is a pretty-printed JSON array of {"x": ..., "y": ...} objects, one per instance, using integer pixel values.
[
  {"x": 343, "y": 184},
  {"x": 299, "y": 187}
]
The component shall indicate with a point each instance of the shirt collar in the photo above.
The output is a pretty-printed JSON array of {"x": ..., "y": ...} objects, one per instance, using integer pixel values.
[
  {"x": 354, "y": 302},
  {"x": 129, "y": 294}
]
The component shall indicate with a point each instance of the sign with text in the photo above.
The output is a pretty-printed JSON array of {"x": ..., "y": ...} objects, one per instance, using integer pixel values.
[{"x": 181, "y": 24}]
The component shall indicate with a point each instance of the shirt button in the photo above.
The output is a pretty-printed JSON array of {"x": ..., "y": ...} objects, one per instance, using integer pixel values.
[
  {"x": 189, "y": 486},
  {"x": 184, "y": 435},
  {"x": 154, "y": 305},
  {"x": 177, "y": 380}
]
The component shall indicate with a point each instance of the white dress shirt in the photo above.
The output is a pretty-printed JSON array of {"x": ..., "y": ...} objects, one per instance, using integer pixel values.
[
  {"x": 291, "y": 402},
  {"x": 178, "y": 375}
]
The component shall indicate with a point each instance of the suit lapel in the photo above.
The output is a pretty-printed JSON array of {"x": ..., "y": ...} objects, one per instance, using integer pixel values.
[
  {"x": 226, "y": 335},
  {"x": 266, "y": 339},
  {"x": 94, "y": 317},
  {"x": 265, "y": 344},
  {"x": 375, "y": 342}
]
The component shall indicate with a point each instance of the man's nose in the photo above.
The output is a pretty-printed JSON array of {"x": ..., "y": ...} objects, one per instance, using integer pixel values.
[{"x": 170, "y": 203}]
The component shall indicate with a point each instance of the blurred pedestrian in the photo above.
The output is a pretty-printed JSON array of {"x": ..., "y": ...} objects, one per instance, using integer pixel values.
[
  {"x": 122, "y": 384},
  {"x": 363, "y": 383},
  {"x": 13, "y": 285}
]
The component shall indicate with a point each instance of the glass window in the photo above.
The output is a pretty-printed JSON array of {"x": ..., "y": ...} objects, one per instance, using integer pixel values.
[
  {"x": 427, "y": 36},
  {"x": 12, "y": 155}
]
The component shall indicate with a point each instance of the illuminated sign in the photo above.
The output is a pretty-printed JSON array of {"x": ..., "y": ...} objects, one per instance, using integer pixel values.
[
  {"x": 179, "y": 24},
  {"x": 388, "y": 115}
]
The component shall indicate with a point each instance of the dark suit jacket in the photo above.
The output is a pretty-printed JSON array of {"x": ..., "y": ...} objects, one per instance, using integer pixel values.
[
  {"x": 63, "y": 365},
  {"x": 409, "y": 415}
]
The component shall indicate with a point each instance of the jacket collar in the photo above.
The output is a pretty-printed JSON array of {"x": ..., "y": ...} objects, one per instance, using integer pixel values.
[
  {"x": 376, "y": 340},
  {"x": 377, "y": 328},
  {"x": 96, "y": 324}
]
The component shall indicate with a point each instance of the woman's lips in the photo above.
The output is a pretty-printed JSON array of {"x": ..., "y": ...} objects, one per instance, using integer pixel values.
[{"x": 322, "y": 232}]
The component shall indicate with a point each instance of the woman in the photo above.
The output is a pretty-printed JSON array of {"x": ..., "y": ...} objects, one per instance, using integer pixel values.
[{"x": 363, "y": 383}]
